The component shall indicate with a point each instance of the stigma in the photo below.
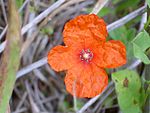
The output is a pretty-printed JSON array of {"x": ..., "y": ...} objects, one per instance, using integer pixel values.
[{"x": 86, "y": 55}]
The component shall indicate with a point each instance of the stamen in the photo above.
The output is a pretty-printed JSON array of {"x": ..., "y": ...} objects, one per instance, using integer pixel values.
[{"x": 86, "y": 55}]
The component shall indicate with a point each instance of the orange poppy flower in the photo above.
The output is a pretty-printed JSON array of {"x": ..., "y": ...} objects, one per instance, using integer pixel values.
[{"x": 85, "y": 55}]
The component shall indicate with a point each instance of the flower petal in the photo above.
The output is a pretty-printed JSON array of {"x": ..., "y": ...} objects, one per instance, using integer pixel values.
[
  {"x": 111, "y": 54},
  {"x": 58, "y": 58},
  {"x": 90, "y": 25},
  {"x": 87, "y": 81}
]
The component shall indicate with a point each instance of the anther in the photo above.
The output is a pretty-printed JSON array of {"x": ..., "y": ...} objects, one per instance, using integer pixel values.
[{"x": 86, "y": 55}]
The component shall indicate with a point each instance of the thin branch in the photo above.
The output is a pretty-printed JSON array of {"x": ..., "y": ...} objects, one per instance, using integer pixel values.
[
  {"x": 91, "y": 101},
  {"x": 99, "y": 5},
  {"x": 64, "y": 6},
  {"x": 1, "y": 28},
  {"x": 41, "y": 16},
  {"x": 126, "y": 19},
  {"x": 37, "y": 19},
  {"x": 24, "y": 4},
  {"x": 31, "y": 67},
  {"x": 4, "y": 11},
  {"x": 99, "y": 105},
  {"x": 74, "y": 97},
  {"x": 3, "y": 32},
  {"x": 5, "y": 29},
  {"x": 2, "y": 46},
  {"x": 134, "y": 64},
  {"x": 143, "y": 20},
  {"x": 33, "y": 22}
]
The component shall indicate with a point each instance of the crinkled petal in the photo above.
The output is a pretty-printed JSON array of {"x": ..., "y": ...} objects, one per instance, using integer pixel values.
[
  {"x": 110, "y": 54},
  {"x": 90, "y": 25},
  {"x": 86, "y": 81},
  {"x": 60, "y": 58},
  {"x": 78, "y": 39}
]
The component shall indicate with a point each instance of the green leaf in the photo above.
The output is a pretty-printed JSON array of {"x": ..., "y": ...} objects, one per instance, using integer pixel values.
[
  {"x": 148, "y": 2},
  {"x": 142, "y": 40},
  {"x": 129, "y": 91},
  {"x": 105, "y": 11},
  {"x": 123, "y": 34},
  {"x": 131, "y": 34},
  {"x": 127, "y": 4},
  {"x": 32, "y": 9},
  {"x": 115, "y": 1},
  {"x": 119, "y": 34},
  {"x": 48, "y": 30},
  {"x": 80, "y": 104},
  {"x": 19, "y": 3},
  {"x": 146, "y": 74},
  {"x": 140, "y": 44},
  {"x": 138, "y": 53}
]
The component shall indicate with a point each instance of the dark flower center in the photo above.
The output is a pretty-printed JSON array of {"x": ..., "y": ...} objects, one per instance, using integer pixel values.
[{"x": 86, "y": 55}]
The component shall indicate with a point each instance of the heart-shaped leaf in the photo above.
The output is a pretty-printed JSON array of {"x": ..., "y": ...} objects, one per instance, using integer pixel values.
[
  {"x": 129, "y": 91},
  {"x": 140, "y": 44}
]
